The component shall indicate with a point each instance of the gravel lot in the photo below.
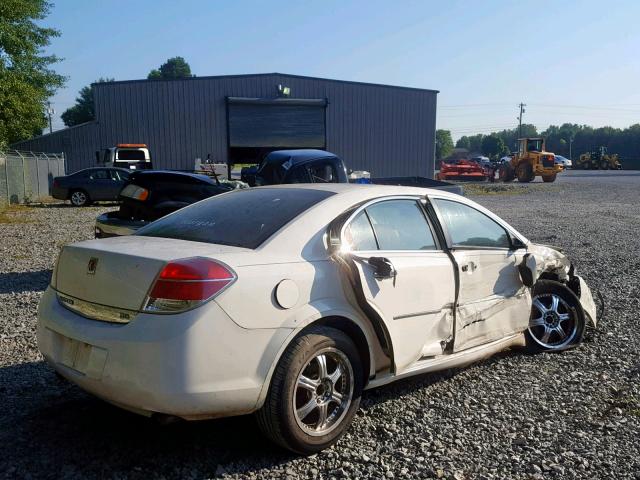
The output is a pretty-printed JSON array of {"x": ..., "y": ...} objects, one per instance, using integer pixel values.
[{"x": 570, "y": 415}]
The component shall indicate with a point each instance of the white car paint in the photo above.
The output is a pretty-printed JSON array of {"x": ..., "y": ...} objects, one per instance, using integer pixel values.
[{"x": 217, "y": 359}]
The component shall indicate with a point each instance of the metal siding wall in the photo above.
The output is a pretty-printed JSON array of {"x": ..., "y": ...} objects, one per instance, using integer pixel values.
[{"x": 388, "y": 131}]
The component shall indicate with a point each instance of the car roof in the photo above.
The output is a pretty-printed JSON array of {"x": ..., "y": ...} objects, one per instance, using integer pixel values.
[
  {"x": 297, "y": 156},
  {"x": 366, "y": 191}
]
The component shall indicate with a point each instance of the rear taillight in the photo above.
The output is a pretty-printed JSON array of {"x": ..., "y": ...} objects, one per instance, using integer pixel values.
[
  {"x": 135, "y": 192},
  {"x": 184, "y": 284},
  {"x": 56, "y": 183}
]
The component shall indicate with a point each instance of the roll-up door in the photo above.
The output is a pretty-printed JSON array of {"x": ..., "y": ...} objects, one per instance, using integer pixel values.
[{"x": 283, "y": 122}]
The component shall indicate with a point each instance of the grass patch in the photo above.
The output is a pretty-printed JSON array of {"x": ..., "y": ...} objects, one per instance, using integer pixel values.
[
  {"x": 14, "y": 214},
  {"x": 493, "y": 189}
]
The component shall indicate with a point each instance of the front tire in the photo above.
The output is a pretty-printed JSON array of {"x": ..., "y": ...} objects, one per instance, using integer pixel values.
[
  {"x": 557, "y": 320},
  {"x": 549, "y": 178},
  {"x": 314, "y": 393}
]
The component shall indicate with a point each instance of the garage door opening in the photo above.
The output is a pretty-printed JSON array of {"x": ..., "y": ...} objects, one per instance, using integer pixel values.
[{"x": 259, "y": 126}]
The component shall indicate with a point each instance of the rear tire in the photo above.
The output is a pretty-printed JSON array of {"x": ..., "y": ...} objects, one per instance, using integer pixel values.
[
  {"x": 557, "y": 320},
  {"x": 549, "y": 178},
  {"x": 314, "y": 393},
  {"x": 79, "y": 198},
  {"x": 506, "y": 172},
  {"x": 525, "y": 173}
]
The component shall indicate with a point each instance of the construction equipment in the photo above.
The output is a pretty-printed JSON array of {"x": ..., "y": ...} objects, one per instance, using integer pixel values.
[
  {"x": 598, "y": 159},
  {"x": 464, "y": 170},
  {"x": 531, "y": 160}
]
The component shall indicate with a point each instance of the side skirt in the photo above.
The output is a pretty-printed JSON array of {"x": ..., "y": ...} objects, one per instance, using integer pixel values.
[{"x": 453, "y": 360}]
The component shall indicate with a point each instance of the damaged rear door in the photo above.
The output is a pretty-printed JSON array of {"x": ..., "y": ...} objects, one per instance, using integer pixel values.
[
  {"x": 492, "y": 300},
  {"x": 404, "y": 276}
]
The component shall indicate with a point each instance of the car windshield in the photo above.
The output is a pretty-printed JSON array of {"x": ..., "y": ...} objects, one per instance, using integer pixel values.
[{"x": 243, "y": 218}]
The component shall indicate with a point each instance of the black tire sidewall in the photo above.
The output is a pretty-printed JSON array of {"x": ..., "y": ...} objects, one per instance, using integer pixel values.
[
  {"x": 551, "y": 286},
  {"x": 296, "y": 439}
]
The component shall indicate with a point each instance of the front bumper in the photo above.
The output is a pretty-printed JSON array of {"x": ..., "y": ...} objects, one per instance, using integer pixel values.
[{"x": 198, "y": 364}]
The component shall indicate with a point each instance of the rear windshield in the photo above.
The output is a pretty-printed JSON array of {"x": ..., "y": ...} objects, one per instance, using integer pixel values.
[
  {"x": 245, "y": 218},
  {"x": 130, "y": 155}
]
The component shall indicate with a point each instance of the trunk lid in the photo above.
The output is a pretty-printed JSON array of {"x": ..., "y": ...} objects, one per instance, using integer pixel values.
[{"x": 119, "y": 272}]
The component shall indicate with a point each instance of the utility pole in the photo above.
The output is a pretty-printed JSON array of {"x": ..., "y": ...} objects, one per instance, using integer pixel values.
[
  {"x": 522, "y": 110},
  {"x": 50, "y": 112},
  {"x": 570, "y": 143}
]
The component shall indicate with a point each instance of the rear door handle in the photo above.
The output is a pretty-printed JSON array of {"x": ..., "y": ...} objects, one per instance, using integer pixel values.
[
  {"x": 382, "y": 267},
  {"x": 468, "y": 267}
]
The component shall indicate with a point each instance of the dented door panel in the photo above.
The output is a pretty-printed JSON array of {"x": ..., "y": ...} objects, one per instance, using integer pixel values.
[
  {"x": 415, "y": 305},
  {"x": 492, "y": 301}
]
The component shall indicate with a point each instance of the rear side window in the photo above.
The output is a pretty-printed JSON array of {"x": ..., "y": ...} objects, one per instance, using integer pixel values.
[
  {"x": 400, "y": 225},
  {"x": 99, "y": 175},
  {"x": 390, "y": 225},
  {"x": 468, "y": 227},
  {"x": 244, "y": 218},
  {"x": 359, "y": 234}
]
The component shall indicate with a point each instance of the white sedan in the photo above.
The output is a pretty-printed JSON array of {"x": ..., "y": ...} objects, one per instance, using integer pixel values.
[{"x": 289, "y": 301}]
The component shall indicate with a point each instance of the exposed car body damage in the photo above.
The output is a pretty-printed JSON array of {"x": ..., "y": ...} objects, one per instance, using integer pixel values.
[{"x": 544, "y": 261}]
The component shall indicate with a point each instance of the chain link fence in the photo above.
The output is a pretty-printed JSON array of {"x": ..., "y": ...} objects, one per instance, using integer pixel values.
[{"x": 28, "y": 176}]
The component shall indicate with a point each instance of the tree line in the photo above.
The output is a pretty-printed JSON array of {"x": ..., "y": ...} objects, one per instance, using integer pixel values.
[
  {"x": 28, "y": 78},
  {"x": 569, "y": 140}
]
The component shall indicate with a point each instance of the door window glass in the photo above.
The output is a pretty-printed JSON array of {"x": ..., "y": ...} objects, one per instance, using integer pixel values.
[
  {"x": 323, "y": 173},
  {"x": 99, "y": 175},
  {"x": 359, "y": 235},
  {"x": 298, "y": 174},
  {"x": 400, "y": 225},
  {"x": 470, "y": 228}
]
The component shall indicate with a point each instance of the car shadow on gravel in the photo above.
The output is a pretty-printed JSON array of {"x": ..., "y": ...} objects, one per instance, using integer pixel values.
[
  {"x": 20, "y": 282},
  {"x": 49, "y": 425}
]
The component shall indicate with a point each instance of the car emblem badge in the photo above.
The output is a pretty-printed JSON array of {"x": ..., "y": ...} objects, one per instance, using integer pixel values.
[{"x": 91, "y": 267}]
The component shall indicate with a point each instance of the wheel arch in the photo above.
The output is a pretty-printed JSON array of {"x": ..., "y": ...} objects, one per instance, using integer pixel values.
[{"x": 362, "y": 335}]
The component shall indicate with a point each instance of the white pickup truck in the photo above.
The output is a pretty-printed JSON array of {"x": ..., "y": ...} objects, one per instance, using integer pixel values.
[{"x": 132, "y": 156}]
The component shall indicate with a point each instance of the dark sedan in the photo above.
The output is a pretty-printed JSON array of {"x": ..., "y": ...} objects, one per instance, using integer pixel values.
[{"x": 90, "y": 185}]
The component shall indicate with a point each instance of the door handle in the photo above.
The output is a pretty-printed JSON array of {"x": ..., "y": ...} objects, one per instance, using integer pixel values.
[
  {"x": 382, "y": 267},
  {"x": 468, "y": 267}
]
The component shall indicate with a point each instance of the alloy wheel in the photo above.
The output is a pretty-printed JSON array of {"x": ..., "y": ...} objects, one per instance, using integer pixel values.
[
  {"x": 323, "y": 392},
  {"x": 78, "y": 198},
  {"x": 553, "y": 324}
]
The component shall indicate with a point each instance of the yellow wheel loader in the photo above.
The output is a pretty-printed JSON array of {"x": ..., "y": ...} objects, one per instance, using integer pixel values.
[
  {"x": 530, "y": 161},
  {"x": 598, "y": 159}
]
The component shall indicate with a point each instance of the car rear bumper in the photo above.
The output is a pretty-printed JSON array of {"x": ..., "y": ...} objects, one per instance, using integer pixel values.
[
  {"x": 60, "y": 193},
  {"x": 109, "y": 226},
  {"x": 198, "y": 364}
]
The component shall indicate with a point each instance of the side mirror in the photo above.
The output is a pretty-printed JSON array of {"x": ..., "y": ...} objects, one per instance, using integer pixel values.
[
  {"x": 517, "y": 244},
  {"x": 97, "y": 157}
]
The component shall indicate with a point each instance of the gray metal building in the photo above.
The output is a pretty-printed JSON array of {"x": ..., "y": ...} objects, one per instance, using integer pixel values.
[{"x": 387, "y": 130}]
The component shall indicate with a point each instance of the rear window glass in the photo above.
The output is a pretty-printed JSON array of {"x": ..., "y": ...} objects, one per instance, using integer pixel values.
[
  {"x": 130, "y": 155},
  {"x": 245, "y": 218}
]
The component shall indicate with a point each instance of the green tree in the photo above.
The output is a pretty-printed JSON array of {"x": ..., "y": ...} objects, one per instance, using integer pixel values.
[
  {"x": 493, "y": 146},
  {"x": 463, "y": 142},
  {"x": 444, "y": 144},
  {"x": 175, "y": 67},
  {"x": 83, "y": 111},
  {"x": 26, "y": 77}
]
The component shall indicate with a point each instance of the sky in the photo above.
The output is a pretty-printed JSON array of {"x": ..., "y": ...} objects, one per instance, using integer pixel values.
[{"x": 568, "y": 61}]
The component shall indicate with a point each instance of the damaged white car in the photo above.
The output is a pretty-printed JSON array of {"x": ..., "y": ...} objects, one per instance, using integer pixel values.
[{"x": 289, "y": 301}]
